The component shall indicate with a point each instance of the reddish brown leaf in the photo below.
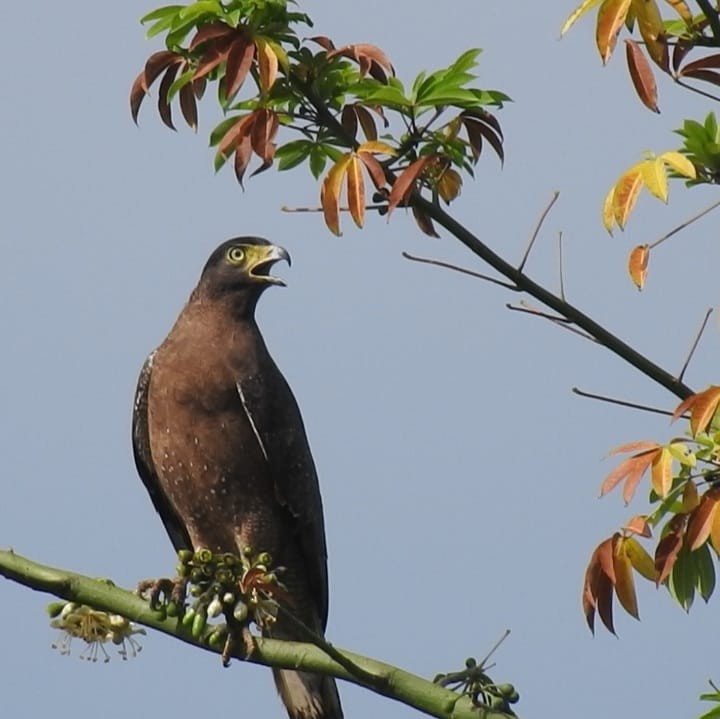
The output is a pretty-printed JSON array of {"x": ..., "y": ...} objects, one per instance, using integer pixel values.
[
  {"x": 239, "y": 62},
  {"x": 325, "y": 42},
  {"x": 710, "y": 61},
  {"x": 475, "y": 127},
  {"x": 211, "y": 31},
  {"x": 701, "y": 519},
  {"x": 264, "y": 129},
  {"x": 705, "y": 75},
  {"x": 424, "y": 222},
  {"x": 243, "y": 153},
  {"x": 680, "y": 52},
  {"x": 669, "y": 547},
  {"x": 234, "y": 135},
  {"x": 198, "y": 87},
  {"x": 374, "y": 168},
  {"x": 137, "y": 95},
  {"x": 480, "y": 115},
  {"x": 589, "y": 594},
  {"x": 605, "y": 557},
  {"x": 188, "y": 106},
  {"x": 702, "y": 406},
  {"x": 369, "y": 57},
  {"x": 356, "y": 191},
  {"x": 366, "y": 122},
  {"x": 638, "y": 525},
  {"x": 405, "y": 183},
  {"x": 604, "y": 595},
  {"x": 163, "y": 104},
  {"x": 624, "y": 582},
  {"x": 215, "y": 54},
  {"x": 156, "y": 64},
  {"x": 349, "y": 120},
  {"x": 642, "y": 75}
]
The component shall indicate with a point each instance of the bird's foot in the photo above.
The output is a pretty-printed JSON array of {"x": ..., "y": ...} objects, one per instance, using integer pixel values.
[{"x": 164, "y": 592}]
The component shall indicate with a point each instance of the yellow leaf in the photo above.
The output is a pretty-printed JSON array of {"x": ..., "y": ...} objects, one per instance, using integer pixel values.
[
  {"x": 267, "y": 62},
  {"x": 679, "y": 163},
  {"x": 683, "y": 454},
  {"x": 624, "y": 582},
  {"x": 449, "y": 185},
  {"x": 330, "y": 193},
  {"x": 377, "y": 147},
  {"x": 356, "y": 191},
  {"x": 578, "y": 13},
  {"x": 608, "y": 214},
  {"x": 654, "y": 177},
  {"x": 638, "y": 264},
  {"x": 661, "y": 472},
  {"x": 640, "y": 559},
  {"x": 611, "y": 17},
  {"x": 650, "y": 24},
  {"x": 682, "y": 10},
  {"x": 690, "y": 497},
  {"x": 627, "y": 189}
]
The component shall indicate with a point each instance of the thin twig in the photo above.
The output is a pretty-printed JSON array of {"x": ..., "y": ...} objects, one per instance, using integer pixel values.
[
  {"x": 692, "y": 88},
  {"x": 695, "y": 344},
  {"x": 559, "y": 321},
  {"x": 286, "y": 208},
  {"x": 463, "y": 270},
  {"x": 682, "y": 226},
  {"x": 560, "y": 254},
  {"x": 536, "y": 231},
  {"x": 494, "y": 648},
  {"x": 621, "y": 402},
  {"x": 713, "y": 17}
]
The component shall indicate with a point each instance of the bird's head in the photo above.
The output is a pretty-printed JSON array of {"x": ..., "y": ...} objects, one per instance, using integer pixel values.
[{"x": 242, "y": 265}]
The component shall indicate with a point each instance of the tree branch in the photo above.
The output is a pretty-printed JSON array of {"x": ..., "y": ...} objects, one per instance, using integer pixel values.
[{"x": 395, "y": 683}]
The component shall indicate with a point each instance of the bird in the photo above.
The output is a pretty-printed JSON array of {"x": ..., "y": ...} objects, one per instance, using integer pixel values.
[{"x": 220, "y": 445}]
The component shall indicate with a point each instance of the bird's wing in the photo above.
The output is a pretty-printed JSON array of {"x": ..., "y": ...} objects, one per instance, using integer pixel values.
[
  {"x": 145, "y": 465},
  {"x": 275, "y": 420}
]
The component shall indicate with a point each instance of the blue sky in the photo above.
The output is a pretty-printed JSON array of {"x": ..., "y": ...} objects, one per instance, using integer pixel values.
[{"x": 459, "y": 474}]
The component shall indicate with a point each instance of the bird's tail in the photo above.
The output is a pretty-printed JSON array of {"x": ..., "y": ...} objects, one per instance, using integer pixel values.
[{"x": 308, "y": 696}]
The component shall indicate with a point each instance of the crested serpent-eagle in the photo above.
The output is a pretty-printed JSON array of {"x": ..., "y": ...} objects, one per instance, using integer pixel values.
[{"x": 220, "y": 445}]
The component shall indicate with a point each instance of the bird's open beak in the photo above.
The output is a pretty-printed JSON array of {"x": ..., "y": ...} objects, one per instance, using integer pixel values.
[{"x": 266, "y": 257}]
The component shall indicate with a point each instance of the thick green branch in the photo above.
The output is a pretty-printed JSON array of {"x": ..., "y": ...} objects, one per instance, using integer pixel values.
[{"x": 419, "y": 693}]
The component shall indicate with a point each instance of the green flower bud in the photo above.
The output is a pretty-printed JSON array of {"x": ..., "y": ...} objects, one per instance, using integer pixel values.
[
  {"x": 55, "y": 608},
  {"x": 513, "y": 697},
  {"x": 228, "y": 598},
  {"x": 214, "y": 608},
  {"x": 172, "y": 609},
  {"x": 470, "y": 663},
  {"x": 265, "y": 559},
  {"x": 188, "y": 617},
  {"x": 247, "y": 551},
  {"x": 198, "y": 625},
  {"x": 229, "y": 560},
  {"x": 182, "y": 570},
  {"x": 217, "y": 637},
  {"x": 196, "y": 575},
  {"x": 185, "y": 556},
  {"x": 504, "y": 689},
  {"x": 203, "y": 556},
  {"x": 240, "y": 612}
]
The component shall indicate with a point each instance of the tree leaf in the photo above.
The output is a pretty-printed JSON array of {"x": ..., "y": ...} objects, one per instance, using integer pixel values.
[
  {"x": 650, "y": 24},
  {"x": 608, "y": 213},
  {"x": 267, "y": 62},
  {"x": 188, "y": 106},
  {"x": 702, "y": 406},
  {"x": 655, "y": 178},
  {"x": 449, "y": 185},
  {"x": 624, "y": 582},
  {"x": 669, "y": 547},
  {"x": 704, "y": 571},
  {"x": 576, "y": 14},
  {"x": 631, "y": 470},
  {"x": 679, "y": 163},
  {"x": 641, "y": 75},
  {"x": 715, "y": 533},
  {"x": 374, "y": 168},
  {"x": 627, "y": 189},
  {"x": 239, "y": 62},
  {"x": 682, "y": 10},
  {"x": 356, "y": 191},
  {"x": 611, "y": 17},
  {"x": 330, "y": 193},
  {"x": 405, "y": 183},
  {"x": 638, "y": 525},
  {"x": 642, "y": 562},
  {"x": 690, "y": 497},
  {"x": 367, "y": 122},
  {"x": 638, "y": 264},
  {"x": 243, "y": 153},
  {"x": 701, "y": 519}
]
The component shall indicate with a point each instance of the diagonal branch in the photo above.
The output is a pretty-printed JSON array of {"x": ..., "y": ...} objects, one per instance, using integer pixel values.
[{"x": 395, "y": 683}]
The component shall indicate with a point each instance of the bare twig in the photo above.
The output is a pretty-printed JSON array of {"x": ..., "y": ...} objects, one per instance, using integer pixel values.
[
  {"x": 695, "y": 344},
  {"x": 713, "y": 17},
  {"x": 697, "y": 90},
  {"x": 621, "y": 402},
  {"x": 560, "y": 256},
  {"x": 456, "y": 268},
  {"x": 685, "y": 224},
  {"x": 286, "y": 208},
  {"x": 555, "y": 319},
  {"x": 536, "y": 231}
]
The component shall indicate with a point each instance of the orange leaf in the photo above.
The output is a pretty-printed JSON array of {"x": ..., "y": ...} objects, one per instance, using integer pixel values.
[
  {"x": 631, "y": 470},
  {"x": 267, "y": 63},
  {"x": 715, "y": 532},
  {"x": 624, "y": 582},
  {"x": 330, "y": 193},
  {"x": 374, "y": 168},
  {"x": 449, "y": 185},
  {"x": 627, "y": 189},
  {"x": 641, "y": 446},
  {"x": 702, "y": 406},
  {"x": 642, "y": 75},
  {"x": 356, "y": 191},
  {"x": 405, "y": 183},
  {"x": 661, "y": 474},
  {"x": 638, "y": 525},
  {"x": 701, "y": 520},
  {"x": 638, "y": 264},
  {"x": 669, "y": 547},
  {"x": 598, "y": 586},
  {"x": 611, "y": 17},
  {"x": 642, "y": 562}
]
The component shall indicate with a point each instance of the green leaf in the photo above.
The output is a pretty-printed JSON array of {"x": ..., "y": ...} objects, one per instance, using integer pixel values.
[
  {"x": 293, "y": 153},
  {"x": 318, "y": 160},
  {"x": 161, "y": 12},
  {"x": 160, "y": 26},
  {"x": 178, "y": 85},
  {"x": 705, "y": 570},
  {"x": 219, "y": 130},
  {"x": 712, "y": 714},
  {"x": 682, "y": 580}
]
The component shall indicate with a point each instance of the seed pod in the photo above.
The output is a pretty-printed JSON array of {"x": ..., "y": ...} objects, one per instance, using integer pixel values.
[
  {"x": 198, "y": 624},
  {"x": 214, "y": 608},
  {"x": 188, "y": 617}
]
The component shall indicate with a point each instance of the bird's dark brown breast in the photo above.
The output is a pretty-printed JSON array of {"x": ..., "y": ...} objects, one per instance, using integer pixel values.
[{"x": 205, "y": 446}]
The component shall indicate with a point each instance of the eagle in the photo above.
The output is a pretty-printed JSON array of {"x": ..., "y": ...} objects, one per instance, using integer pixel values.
[{"x": 221, "y": 448}]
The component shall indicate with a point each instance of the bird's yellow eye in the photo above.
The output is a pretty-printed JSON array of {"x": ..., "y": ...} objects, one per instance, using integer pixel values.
[{"x": 235, "y": 255}]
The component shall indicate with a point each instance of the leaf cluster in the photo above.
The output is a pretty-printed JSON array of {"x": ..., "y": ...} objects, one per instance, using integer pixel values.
[
  {"x": 344, "y": 103},
  {"x": 685, "y": 499}
]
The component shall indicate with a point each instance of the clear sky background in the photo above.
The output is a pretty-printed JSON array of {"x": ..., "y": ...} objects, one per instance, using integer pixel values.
[{"x": 460, "y": 475}]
